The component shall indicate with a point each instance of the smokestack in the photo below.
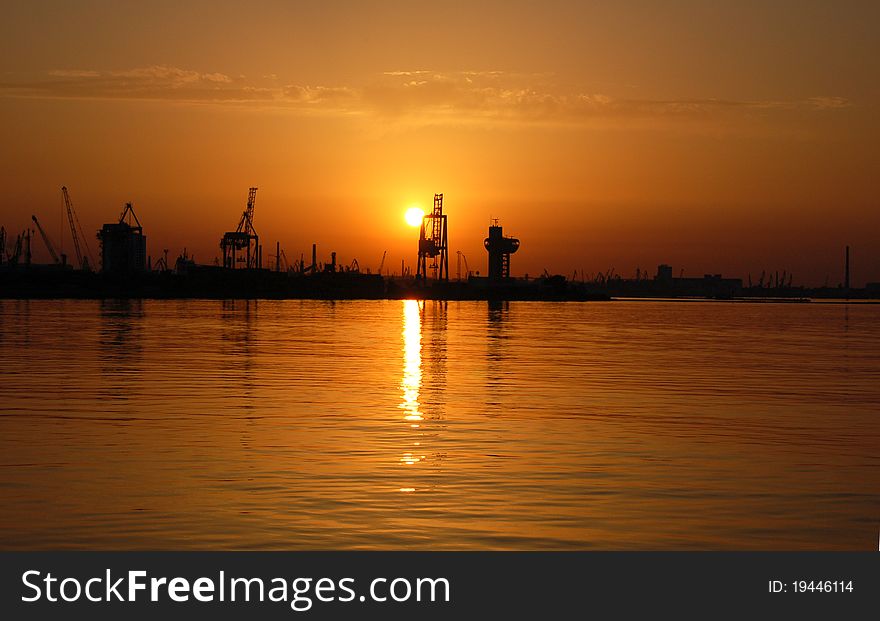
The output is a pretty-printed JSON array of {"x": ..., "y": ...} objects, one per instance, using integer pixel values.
[
  {"x": 314, "y": 257},
  {"x": 846, "y": 268}
]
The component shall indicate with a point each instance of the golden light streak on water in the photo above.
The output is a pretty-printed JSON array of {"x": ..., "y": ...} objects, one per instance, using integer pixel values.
[{"x": 412, "y": 359}]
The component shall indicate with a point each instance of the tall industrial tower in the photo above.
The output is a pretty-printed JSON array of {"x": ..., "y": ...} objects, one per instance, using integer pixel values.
[
  {"x": 433, "y": 243},
  {"x": 123, "y": 245},
  {"x": 500, "y": 248}
]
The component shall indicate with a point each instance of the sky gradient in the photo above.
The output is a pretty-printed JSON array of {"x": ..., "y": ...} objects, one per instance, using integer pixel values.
[{"x": 719, "y": 137}]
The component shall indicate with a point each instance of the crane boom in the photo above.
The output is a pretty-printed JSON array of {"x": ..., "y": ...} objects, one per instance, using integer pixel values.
[
  {"x": 252, "y": 199},
  {"x": 246, "y": 224},
  {"x": 83, "y": 261},
  {"x": 46, "y": 240},
  {"x": 69, "y": 206},
  {"x": 382, "y": 263}
]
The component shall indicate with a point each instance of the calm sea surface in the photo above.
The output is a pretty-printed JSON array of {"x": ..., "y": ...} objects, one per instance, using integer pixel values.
[{"x": 399, "y": 424}]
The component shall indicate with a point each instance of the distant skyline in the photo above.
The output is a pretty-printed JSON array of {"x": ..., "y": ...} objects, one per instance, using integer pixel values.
[{"x": 729, "y": 137}]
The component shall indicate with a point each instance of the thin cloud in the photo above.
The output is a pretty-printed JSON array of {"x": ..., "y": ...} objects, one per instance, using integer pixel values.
[
  {"x": 335, "y": 96},
  {"x": 419, "y": 96},
  {"x": 157, "y": 82},
  {"x": 74, "y": 73},
  {"x": 169, "y": 76},
  {"x": 829, "y": 103}
]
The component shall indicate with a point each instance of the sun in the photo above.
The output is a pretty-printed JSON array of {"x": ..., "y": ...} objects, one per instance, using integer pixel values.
[{"x": 414, "y": 216}]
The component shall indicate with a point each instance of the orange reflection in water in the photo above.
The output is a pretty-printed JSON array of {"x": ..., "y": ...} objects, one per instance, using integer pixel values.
[
  {"x": 411, "y": 381},
  {"x": 412, "y": 360},
  {"x": 196, "y": 424}
]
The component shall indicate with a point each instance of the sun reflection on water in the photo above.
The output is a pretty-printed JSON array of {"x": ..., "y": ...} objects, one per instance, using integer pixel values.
[
  {"x": 412, "y": 376},
  {"x": 412, "y": 360}
]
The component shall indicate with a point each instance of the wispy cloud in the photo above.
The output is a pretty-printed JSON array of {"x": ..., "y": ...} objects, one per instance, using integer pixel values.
[
  {"x": 74, "y": 73},
  {"x": 333, "y": 96},
  {"x": 412, "y": 95},
  {"x": 828, "y": 103},
  {"x": 156, "y": 82}
]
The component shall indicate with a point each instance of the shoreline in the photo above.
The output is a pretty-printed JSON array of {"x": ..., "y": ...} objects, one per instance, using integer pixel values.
[{"x": 38, "y": 282}]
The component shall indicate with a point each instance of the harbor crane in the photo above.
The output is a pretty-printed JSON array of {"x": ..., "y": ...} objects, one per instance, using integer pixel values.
[
  {"x": 382, "y": 263},
  {"x": 49, "y": 246},
  {"x": 84, "y": 262},
  {"x": 244, "y": 238},
  {"x": 13, "y": 257},
  {"x": 162, "y": 262},
  {"x": 433, "y": 243},
  {"x": 22, "y": 247}
]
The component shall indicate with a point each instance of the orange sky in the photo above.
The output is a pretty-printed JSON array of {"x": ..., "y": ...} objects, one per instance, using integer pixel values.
[{"x": 718, "y": 137}]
